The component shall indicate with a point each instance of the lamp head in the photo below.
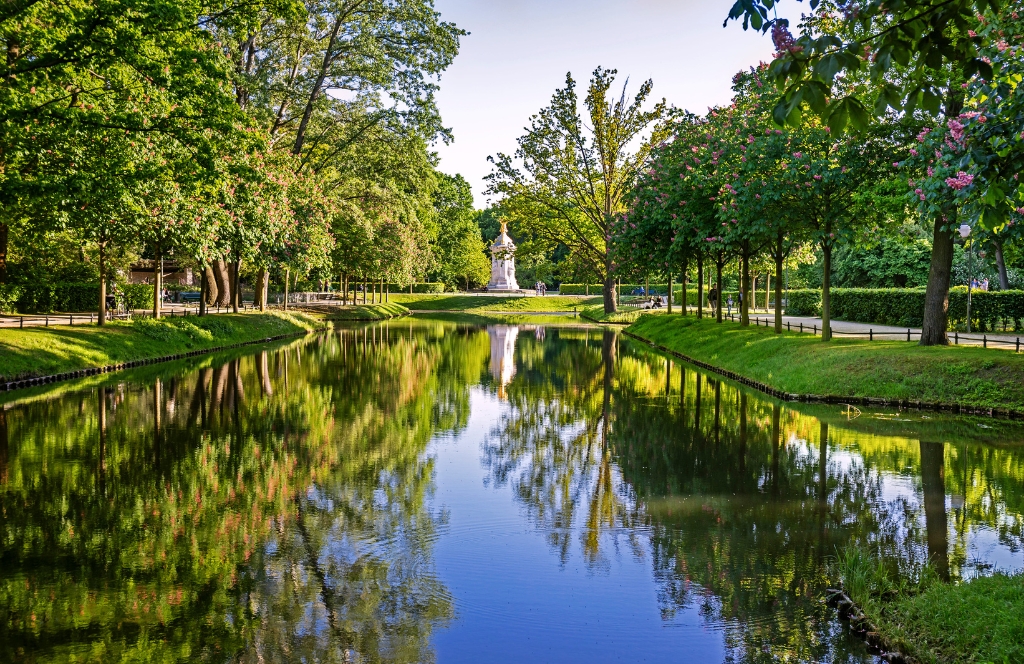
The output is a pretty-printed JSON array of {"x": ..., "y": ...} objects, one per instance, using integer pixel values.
[{"x": 965, "y": 230}]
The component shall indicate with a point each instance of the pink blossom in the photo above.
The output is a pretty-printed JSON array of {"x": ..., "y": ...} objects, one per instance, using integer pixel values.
[
  {"x": 924, "y": 134},
  {"x": 817, "y": 177},
  {"x": 960, "y": 181},
  {"x": 798, "y": 155},
  {"x": 913, "y": 152},
  {"x": 956, "y": 130}
]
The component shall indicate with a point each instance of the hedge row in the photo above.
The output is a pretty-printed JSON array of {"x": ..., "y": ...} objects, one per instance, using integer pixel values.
[
  {"x": 905, "y": 306},
  {"x": 421, "y": 287},
  {"x": 69, "y": 297}
]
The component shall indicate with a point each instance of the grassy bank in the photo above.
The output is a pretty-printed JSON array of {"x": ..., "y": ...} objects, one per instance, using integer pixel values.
[
  {"x": 42, "y": 351},
  {"x": 803, "y": 364},
  {"x": 933, "y": 621},
  {"x": 366, "y": 312},
  {"x": 485, "y": 303},
  {"x": 621, "y": 317}
]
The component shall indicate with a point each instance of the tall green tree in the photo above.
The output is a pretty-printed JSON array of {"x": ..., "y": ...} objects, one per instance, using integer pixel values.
[{"x": 575, "y": 171}]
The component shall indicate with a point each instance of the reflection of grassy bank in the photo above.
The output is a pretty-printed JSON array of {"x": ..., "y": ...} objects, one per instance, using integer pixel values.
[
  {"x": 932, "y": 621},
  {"x": 501, "y": 318},
  {"x": 484, "y": 303},
  {"x": 803, "y": 364},
  {"x": 42, "y": 351}
]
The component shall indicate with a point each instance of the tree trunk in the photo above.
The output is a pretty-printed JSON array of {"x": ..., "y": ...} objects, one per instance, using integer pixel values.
[
  {"x": 236, "y": 290},
  {"x": 778, "y": 288},
  {"x": 220, "y": 272},
  {"x": 669, "y": 292},
  {"x": 300, "y": 134},
  {"x": 745, "y": 288},
  {"x": 718, "y": 286},
  {"x": 826, "y": 292},
  {"x": 212, "y": 292},
  {"x": 287, "y": 278},
  {"x": 158, "y": 281},
  {"x": 364, "y": 290},
  {"x": 204, "y": 290},
  {"x": 682, "y": 300},
  {"x": 700, "y": 287},
  {"x": 262, "y": 281},
  {"x": 1004, "y": 280},
  {"x": 608, "y": 289},
  {"x": 3, "y": 253},
  {"x": 767, "y": 291},
  {"x": 102, "y": 320},
  {"x": 936, "y": 297}
]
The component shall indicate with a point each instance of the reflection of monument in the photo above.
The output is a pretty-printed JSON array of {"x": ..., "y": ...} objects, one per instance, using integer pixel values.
[
  {"x": 503, "y": 348},
  {"x": 503, "y": 263}
]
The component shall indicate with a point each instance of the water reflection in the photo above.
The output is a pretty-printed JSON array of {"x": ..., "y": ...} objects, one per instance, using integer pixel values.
[{"x": 280, "y": 505}]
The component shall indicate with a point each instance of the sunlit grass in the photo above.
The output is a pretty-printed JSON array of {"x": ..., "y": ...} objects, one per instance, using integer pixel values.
[
  {"x": 41, "y": 351},
  {"x": 483, "y": 303},
  {"x": 804, "y": 364},
  {"x": 934, "y": 621},
  {"x": 367, "y": 312}
]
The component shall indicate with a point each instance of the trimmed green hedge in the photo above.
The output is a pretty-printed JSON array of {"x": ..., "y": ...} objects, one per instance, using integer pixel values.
[
  {"x": 805, "y": 302},
  {"x": 905, "y": 306},
  {"x": 65, "y": 296},
  {"x": 421, "y": 287}
]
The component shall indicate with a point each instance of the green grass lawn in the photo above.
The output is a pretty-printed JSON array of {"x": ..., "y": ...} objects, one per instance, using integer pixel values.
[
  {"x": 804, "y": 364},
  {"x": 367, "y": 312},
  {"x": 43, "y": 351},
  {"x": 934, "y": 622},
  {"x": 623, "y": 316},
  {"x": 474, "y": 303}
]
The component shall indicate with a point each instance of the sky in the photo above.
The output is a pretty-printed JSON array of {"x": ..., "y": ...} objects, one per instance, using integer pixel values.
[{"x": 519, "y": 51}]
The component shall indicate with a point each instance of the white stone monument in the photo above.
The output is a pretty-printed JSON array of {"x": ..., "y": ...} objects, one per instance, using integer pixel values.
[{"x": 503, "y": 263}]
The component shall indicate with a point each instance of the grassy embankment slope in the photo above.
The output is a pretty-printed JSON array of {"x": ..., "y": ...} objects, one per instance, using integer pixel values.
[
  {"x": 931, "y": 621},
  {"x": 365, "y": 312},
  {"x": 43, "y": 351},
  {"x": 491, "y": 303},
  {"x": 803, "y": 364}
]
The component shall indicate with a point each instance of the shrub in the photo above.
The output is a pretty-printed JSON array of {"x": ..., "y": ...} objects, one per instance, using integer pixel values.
[
  {"x": 9, "y": 295},
  {"x": 805, "y": 302},
  {"x": 136, "y": 296},
  {"x": 422, "y": 287}
]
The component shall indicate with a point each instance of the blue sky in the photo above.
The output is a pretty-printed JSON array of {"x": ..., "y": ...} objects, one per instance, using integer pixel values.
[{"x": 519, "y": 51}]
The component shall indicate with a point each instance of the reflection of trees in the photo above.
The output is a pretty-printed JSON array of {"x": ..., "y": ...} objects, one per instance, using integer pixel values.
[
  {"x": 739, "y": 498},
  {"x": 551, "y": 447},
  {"x": 227, "y": 511}
]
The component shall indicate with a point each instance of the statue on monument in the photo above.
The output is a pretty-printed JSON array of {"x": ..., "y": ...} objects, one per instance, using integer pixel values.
[{"x": 503, "y": 265}]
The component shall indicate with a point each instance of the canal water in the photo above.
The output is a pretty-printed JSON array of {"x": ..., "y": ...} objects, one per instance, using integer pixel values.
[{"x": 428, "y": 491}]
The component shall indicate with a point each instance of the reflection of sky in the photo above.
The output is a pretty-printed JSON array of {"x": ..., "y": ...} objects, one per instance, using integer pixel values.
[{"x": 514, "y": 600}]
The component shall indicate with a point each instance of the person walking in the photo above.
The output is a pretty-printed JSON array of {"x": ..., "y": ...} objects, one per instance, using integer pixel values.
[
  {"x": 713, "y": 300},
  {"x": 729, "y": 303}
]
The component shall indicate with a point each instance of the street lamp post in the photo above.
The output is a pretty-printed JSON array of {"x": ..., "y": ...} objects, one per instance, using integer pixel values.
[{"x": 965, "y": 231}]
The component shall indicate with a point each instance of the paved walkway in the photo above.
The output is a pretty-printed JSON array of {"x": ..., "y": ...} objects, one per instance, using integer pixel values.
[{"x": 843, "y": 329}]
